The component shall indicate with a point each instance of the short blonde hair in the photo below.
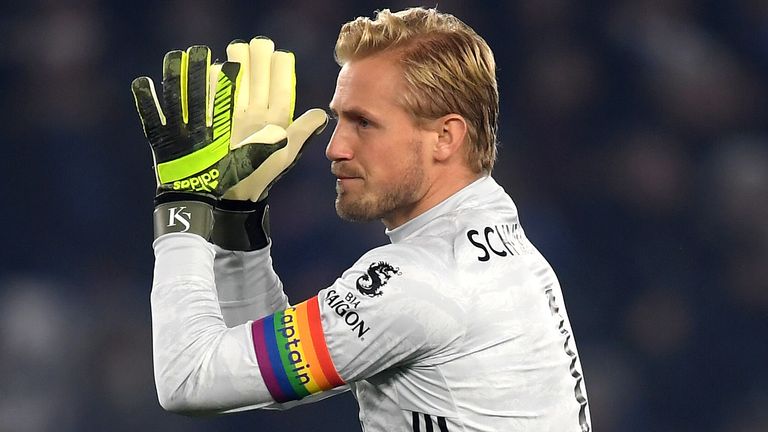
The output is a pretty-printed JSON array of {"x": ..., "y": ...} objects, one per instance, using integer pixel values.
[{"x": 448, "y": 68}]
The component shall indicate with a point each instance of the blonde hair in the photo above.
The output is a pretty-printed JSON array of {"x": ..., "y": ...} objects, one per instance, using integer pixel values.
[{"x": 448, "y": 68}]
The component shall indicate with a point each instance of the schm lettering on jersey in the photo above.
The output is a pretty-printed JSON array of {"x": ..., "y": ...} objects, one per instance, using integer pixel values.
[{"x": 503, "y": 240}]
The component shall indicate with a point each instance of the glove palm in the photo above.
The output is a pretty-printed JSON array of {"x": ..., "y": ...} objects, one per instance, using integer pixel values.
[{"x": 263, "y": 114}]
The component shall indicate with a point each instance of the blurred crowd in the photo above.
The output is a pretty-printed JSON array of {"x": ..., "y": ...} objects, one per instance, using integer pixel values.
[{"x": 633, "y": 138}]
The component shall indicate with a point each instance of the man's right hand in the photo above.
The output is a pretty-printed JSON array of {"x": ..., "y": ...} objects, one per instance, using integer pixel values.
[{"x": 263, "y": 115}]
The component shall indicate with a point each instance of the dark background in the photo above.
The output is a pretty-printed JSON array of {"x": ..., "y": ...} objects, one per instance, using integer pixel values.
[{"x": 633, "y": 139}]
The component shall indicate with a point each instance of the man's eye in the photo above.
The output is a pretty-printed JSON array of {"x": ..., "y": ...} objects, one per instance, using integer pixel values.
[{"x": 363, "y": 122}]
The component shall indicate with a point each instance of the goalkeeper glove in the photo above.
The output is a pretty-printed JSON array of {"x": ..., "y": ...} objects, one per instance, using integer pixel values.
[
  {"x": 263, "y": 113},
  {"x": 190, "y": 138}
]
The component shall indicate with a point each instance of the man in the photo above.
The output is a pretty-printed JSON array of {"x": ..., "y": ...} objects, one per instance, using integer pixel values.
[{"x": 457, "y": 325}]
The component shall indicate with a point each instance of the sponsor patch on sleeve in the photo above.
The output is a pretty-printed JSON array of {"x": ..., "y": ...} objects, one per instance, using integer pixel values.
[{"x": 293, "y": 357}]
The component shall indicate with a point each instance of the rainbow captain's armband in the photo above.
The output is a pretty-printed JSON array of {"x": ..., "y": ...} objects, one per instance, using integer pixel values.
[{"x": 293, "y": 358}]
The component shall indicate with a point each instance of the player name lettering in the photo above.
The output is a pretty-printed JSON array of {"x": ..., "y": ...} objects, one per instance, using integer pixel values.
[
  {"x": 503, "y": 240},
  {"x": 344, "y": 307}
]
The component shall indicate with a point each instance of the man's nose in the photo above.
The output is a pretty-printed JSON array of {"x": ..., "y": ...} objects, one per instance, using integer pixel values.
[{"x": 339, "y": 147}]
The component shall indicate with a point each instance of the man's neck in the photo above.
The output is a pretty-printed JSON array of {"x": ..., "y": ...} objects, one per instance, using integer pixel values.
[{"x": 437, "y": 191}]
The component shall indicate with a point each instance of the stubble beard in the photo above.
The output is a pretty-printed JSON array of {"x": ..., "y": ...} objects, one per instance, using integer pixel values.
[{"x": 372, "y": 205}]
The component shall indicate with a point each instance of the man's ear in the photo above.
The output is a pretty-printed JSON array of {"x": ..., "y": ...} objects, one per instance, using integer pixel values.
[{"x": 451, "y": 133}]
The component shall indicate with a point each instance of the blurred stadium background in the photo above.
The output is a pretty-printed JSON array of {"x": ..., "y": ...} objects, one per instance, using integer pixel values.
[{"x": 633, "y": 138}]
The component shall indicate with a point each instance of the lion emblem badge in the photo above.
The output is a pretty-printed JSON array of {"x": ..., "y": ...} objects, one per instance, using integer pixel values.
[{"x": 376, "y": 277}]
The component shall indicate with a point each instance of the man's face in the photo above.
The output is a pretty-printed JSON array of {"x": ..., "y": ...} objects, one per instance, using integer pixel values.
[{"x": 377, "y": 150}]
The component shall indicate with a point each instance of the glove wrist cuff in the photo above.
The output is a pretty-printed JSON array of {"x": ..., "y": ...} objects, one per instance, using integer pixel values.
[
  {"x": 184, "y": 216},
  {"x": 241, "y": 225}
]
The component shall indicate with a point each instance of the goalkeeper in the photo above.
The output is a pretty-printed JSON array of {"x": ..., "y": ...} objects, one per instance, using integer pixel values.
[{"x": 457, "y": 325}]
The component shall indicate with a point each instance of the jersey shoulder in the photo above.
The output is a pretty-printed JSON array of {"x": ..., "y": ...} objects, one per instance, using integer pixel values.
[
  {"x": 389, "y": 309},
  {"x": 408, "y": 266}
]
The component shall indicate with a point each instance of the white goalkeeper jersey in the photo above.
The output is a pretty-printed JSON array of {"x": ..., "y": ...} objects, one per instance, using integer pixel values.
[{"x": 457, "y": 325}]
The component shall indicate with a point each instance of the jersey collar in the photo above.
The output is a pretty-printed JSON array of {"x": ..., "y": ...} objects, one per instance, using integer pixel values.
[{"x": 467, "y": 197}]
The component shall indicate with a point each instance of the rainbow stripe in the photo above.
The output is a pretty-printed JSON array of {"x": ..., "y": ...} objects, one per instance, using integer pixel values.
[{"x": 292, "y": 354}]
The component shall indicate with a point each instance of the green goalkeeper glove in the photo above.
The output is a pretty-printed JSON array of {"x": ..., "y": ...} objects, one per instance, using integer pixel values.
[
  {"x": 190, "y": 136},
  {"x": 263, "y": 113}
]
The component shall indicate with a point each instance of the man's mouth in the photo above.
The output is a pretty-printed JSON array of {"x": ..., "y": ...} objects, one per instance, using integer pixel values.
[{"x": 344, "y": 174}]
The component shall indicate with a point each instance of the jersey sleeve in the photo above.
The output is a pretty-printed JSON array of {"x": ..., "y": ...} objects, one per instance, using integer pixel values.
[
  {"x": 201, "y": 365},
  {"x": 385, "y": 311},
  {"x": 247, "y": 285}
]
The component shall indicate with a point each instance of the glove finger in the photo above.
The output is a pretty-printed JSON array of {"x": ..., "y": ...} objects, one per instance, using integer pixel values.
[
  {"x": 224, "y": 103},
  {"x": 261, "y": 50},
  {"x": 150, "y": 113},
  {"x": 203, "y": 159},
  {"x": 213, "y": 81},
  {"x": 282, "y": 88},
  {"x": 237, "y": 51},
  {"x": 311, "y": 122},
  {"x": 172, "y": 94},
  {"x": 199, "y": 60}
]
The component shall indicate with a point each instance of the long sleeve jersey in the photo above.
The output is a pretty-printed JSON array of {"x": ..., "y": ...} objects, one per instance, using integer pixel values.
[{"x": 457, "y": 325}]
